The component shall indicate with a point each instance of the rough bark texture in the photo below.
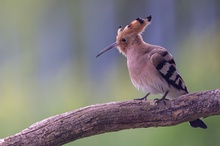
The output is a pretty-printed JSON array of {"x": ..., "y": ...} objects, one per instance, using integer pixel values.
[{"x": 115, "y": 116}]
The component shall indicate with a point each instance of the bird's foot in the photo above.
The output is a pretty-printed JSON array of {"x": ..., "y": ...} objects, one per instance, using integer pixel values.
[
  {"x": 164, "y": 99},
  {"x": 143, "y": 98},
  {"x": 159, "y": 100}
]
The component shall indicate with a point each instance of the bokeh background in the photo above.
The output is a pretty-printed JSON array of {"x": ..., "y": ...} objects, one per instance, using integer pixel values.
[{"x": 48, "y": 64}]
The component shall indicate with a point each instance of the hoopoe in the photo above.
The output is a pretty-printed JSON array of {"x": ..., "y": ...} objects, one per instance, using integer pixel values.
[{"x": 151, "y": 68}]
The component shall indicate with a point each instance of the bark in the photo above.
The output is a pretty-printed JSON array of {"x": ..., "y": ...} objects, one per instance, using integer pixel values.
[{"x": 115, "y": 116}]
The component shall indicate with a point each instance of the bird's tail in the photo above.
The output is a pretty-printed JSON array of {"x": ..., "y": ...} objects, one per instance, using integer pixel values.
[{"x": 198, "y": 123}]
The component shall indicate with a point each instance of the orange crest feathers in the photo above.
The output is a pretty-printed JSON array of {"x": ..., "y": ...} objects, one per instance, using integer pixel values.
[{"x": 137, "y": 26}]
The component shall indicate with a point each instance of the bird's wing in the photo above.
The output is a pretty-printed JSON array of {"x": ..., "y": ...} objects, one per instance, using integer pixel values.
[{"x": 165, "y": 64}]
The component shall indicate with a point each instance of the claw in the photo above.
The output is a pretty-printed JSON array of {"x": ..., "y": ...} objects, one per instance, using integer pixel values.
[
  {"x": 164, "y": 99},
  {"x": 143, "y": 98}
]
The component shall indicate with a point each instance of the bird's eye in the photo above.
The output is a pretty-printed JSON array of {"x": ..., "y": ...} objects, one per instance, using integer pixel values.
[{"x": 123, "y": 40}]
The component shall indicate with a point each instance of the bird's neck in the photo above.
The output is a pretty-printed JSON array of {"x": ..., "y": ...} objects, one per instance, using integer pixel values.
[{"x": 138, "y": 49}]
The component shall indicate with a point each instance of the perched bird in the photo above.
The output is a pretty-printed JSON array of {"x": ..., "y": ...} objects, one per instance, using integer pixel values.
[{"x": 151, "y": 68}]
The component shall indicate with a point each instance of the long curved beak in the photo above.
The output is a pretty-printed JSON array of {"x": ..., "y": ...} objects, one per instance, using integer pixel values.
[{"x": 114, "y": 45}]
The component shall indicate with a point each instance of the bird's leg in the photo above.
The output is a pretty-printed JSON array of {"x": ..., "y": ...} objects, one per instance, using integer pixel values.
[
  {"x": 143, "y": 98},
  {"x": 162, "y": 99}
]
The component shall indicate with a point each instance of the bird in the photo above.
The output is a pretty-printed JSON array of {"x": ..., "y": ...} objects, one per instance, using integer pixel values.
[{"x": 151, "y": 67}]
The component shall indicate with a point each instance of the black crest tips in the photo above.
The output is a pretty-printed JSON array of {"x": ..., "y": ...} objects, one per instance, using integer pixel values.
[
  {"x": 149, "y": 18},
  {"x": 141, "y": 21},
  {"x": 119, "y": 27}
]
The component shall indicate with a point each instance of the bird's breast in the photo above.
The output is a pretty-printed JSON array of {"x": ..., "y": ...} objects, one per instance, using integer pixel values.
[
  {"x": 145, "y": 77},
  {"x": 138, "y": 73}
]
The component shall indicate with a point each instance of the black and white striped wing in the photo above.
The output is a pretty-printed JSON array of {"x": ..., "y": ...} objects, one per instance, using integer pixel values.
[{"x": 165, "y": 64}]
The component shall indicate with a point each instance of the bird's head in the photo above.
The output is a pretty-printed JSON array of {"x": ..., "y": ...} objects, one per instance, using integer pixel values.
[{"x": 129, "y": 36}]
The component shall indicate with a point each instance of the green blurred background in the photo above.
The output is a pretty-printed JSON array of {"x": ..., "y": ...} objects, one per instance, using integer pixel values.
[{"x": 48, "y": 64}]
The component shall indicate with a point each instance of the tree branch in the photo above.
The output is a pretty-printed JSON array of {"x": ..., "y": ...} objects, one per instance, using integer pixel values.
[{"x": 115, "y": 116}]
